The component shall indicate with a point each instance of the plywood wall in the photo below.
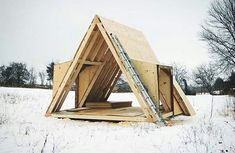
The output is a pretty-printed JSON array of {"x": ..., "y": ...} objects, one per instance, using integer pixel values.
[{"x": 60, "y": 70}]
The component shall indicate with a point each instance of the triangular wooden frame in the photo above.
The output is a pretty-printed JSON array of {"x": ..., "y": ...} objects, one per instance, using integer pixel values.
[{"x": 97, "y": 36}]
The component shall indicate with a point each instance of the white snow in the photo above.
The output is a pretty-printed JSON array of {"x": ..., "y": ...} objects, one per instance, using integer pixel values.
[{"x": 24, "y": 128}]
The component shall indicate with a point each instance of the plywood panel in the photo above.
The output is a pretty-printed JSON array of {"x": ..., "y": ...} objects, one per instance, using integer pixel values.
[
  {"x": 177, "y": 109},
  {"x": 125, "y": 111},
  {"x": 148, "y": 75},
  {"x": 118, "y": 114},
  {"x": 183, "y": 100},
  {"x": 165, "y": 88},
  {"x": 132, "y": 40},
  {"x": 85, "y": 78},
  {"x": 59, "y": 72}
]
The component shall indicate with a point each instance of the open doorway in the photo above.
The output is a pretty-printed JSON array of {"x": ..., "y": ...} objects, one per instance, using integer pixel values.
[{"x": 165, "y": 83}]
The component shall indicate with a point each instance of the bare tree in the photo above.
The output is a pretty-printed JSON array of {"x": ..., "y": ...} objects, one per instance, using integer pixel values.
[
  {"x": 32, "y": 77},
  {"x": 219, "y": 33},
  {"x": 205, "y": 76},
  {"x": 50, "y": 72},
  {"x": 42, "y": 76},
  {"x": 181, "y": 74}
]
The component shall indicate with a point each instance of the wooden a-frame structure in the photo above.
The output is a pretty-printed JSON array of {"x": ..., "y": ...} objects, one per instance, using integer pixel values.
[{"x": 96, "y": 67}]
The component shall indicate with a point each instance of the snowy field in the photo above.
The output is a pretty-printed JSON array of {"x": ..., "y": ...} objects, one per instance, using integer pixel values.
[{"x": 24, "y": 129}]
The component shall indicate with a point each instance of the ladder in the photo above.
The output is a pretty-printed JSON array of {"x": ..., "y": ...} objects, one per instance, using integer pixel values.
[{"x": 130, "y": 68}]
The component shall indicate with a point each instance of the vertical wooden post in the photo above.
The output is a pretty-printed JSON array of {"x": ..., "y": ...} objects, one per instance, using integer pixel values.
[{"x": 77, "y": 92}]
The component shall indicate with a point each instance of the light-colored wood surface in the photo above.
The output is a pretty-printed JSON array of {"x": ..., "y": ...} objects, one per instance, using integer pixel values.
[
  {"x": 183, "y": 100},
  {"x": 86, "y": 79},
  {"x": 97, "y": 66},
  {"x": 59, "y": 73},
  {"x": 109, "y": 104},
  {"x": 116, "y": 114},
  {"x": 148, "y": 75},
  {"x": 134, "y": 42},
  {"x": 165, "y": 88},
  {"x": 167, "y": 114}
]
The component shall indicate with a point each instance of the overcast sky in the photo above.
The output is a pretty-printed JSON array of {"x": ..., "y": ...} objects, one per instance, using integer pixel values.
[{"x": 39, "y": 31}]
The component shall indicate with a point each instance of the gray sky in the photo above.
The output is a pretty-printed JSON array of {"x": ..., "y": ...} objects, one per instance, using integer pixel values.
[{"x": 39, "y": 31}]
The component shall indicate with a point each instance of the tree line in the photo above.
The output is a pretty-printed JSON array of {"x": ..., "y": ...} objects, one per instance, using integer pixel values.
[
  {"x": 204, "y": 79},
  {"x": 17, "y": 74}
]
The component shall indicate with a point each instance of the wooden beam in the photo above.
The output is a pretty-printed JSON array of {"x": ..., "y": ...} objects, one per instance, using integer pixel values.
[
  {"x": 185, "y": 101},
  {"x": 106, "y": 73},
  {"x": 76, "y": 92},
  {"x": 91, "y": 62},
  {"x": 109, "y": 104},
  {"x": 113, "y": 84},
  {"x": 109, "y": 80},
  {"x": 167, "y": 114},
  {"x": 97, "y": 49},
  {"x": 101, "y": 53}
]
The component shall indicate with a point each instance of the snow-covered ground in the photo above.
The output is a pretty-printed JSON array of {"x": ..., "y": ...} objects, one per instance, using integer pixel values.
[{"x": 24, "y": 128}]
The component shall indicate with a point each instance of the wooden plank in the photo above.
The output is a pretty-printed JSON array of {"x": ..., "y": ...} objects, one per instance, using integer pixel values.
[
  {"x": 109, "y": 80},
  {"x": 179, "y": 101},
  {"x": 99, "y": 117},
  {"x": 149, "y": 114},
  {"x": 102, "y": 53},
  {"x": 167, "y": 114},
  {"x": 125, "y": 111},
  {"x": 113, "y": 84},
  {"x": 92, "y": 95},
  {"x": 97, "y": 49},
  {"x": 107, "y": 74},
  {"x": 109, "y": 104},
  {"x": 177, "y": 109},
  {"x": 90, "y": 62}
]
